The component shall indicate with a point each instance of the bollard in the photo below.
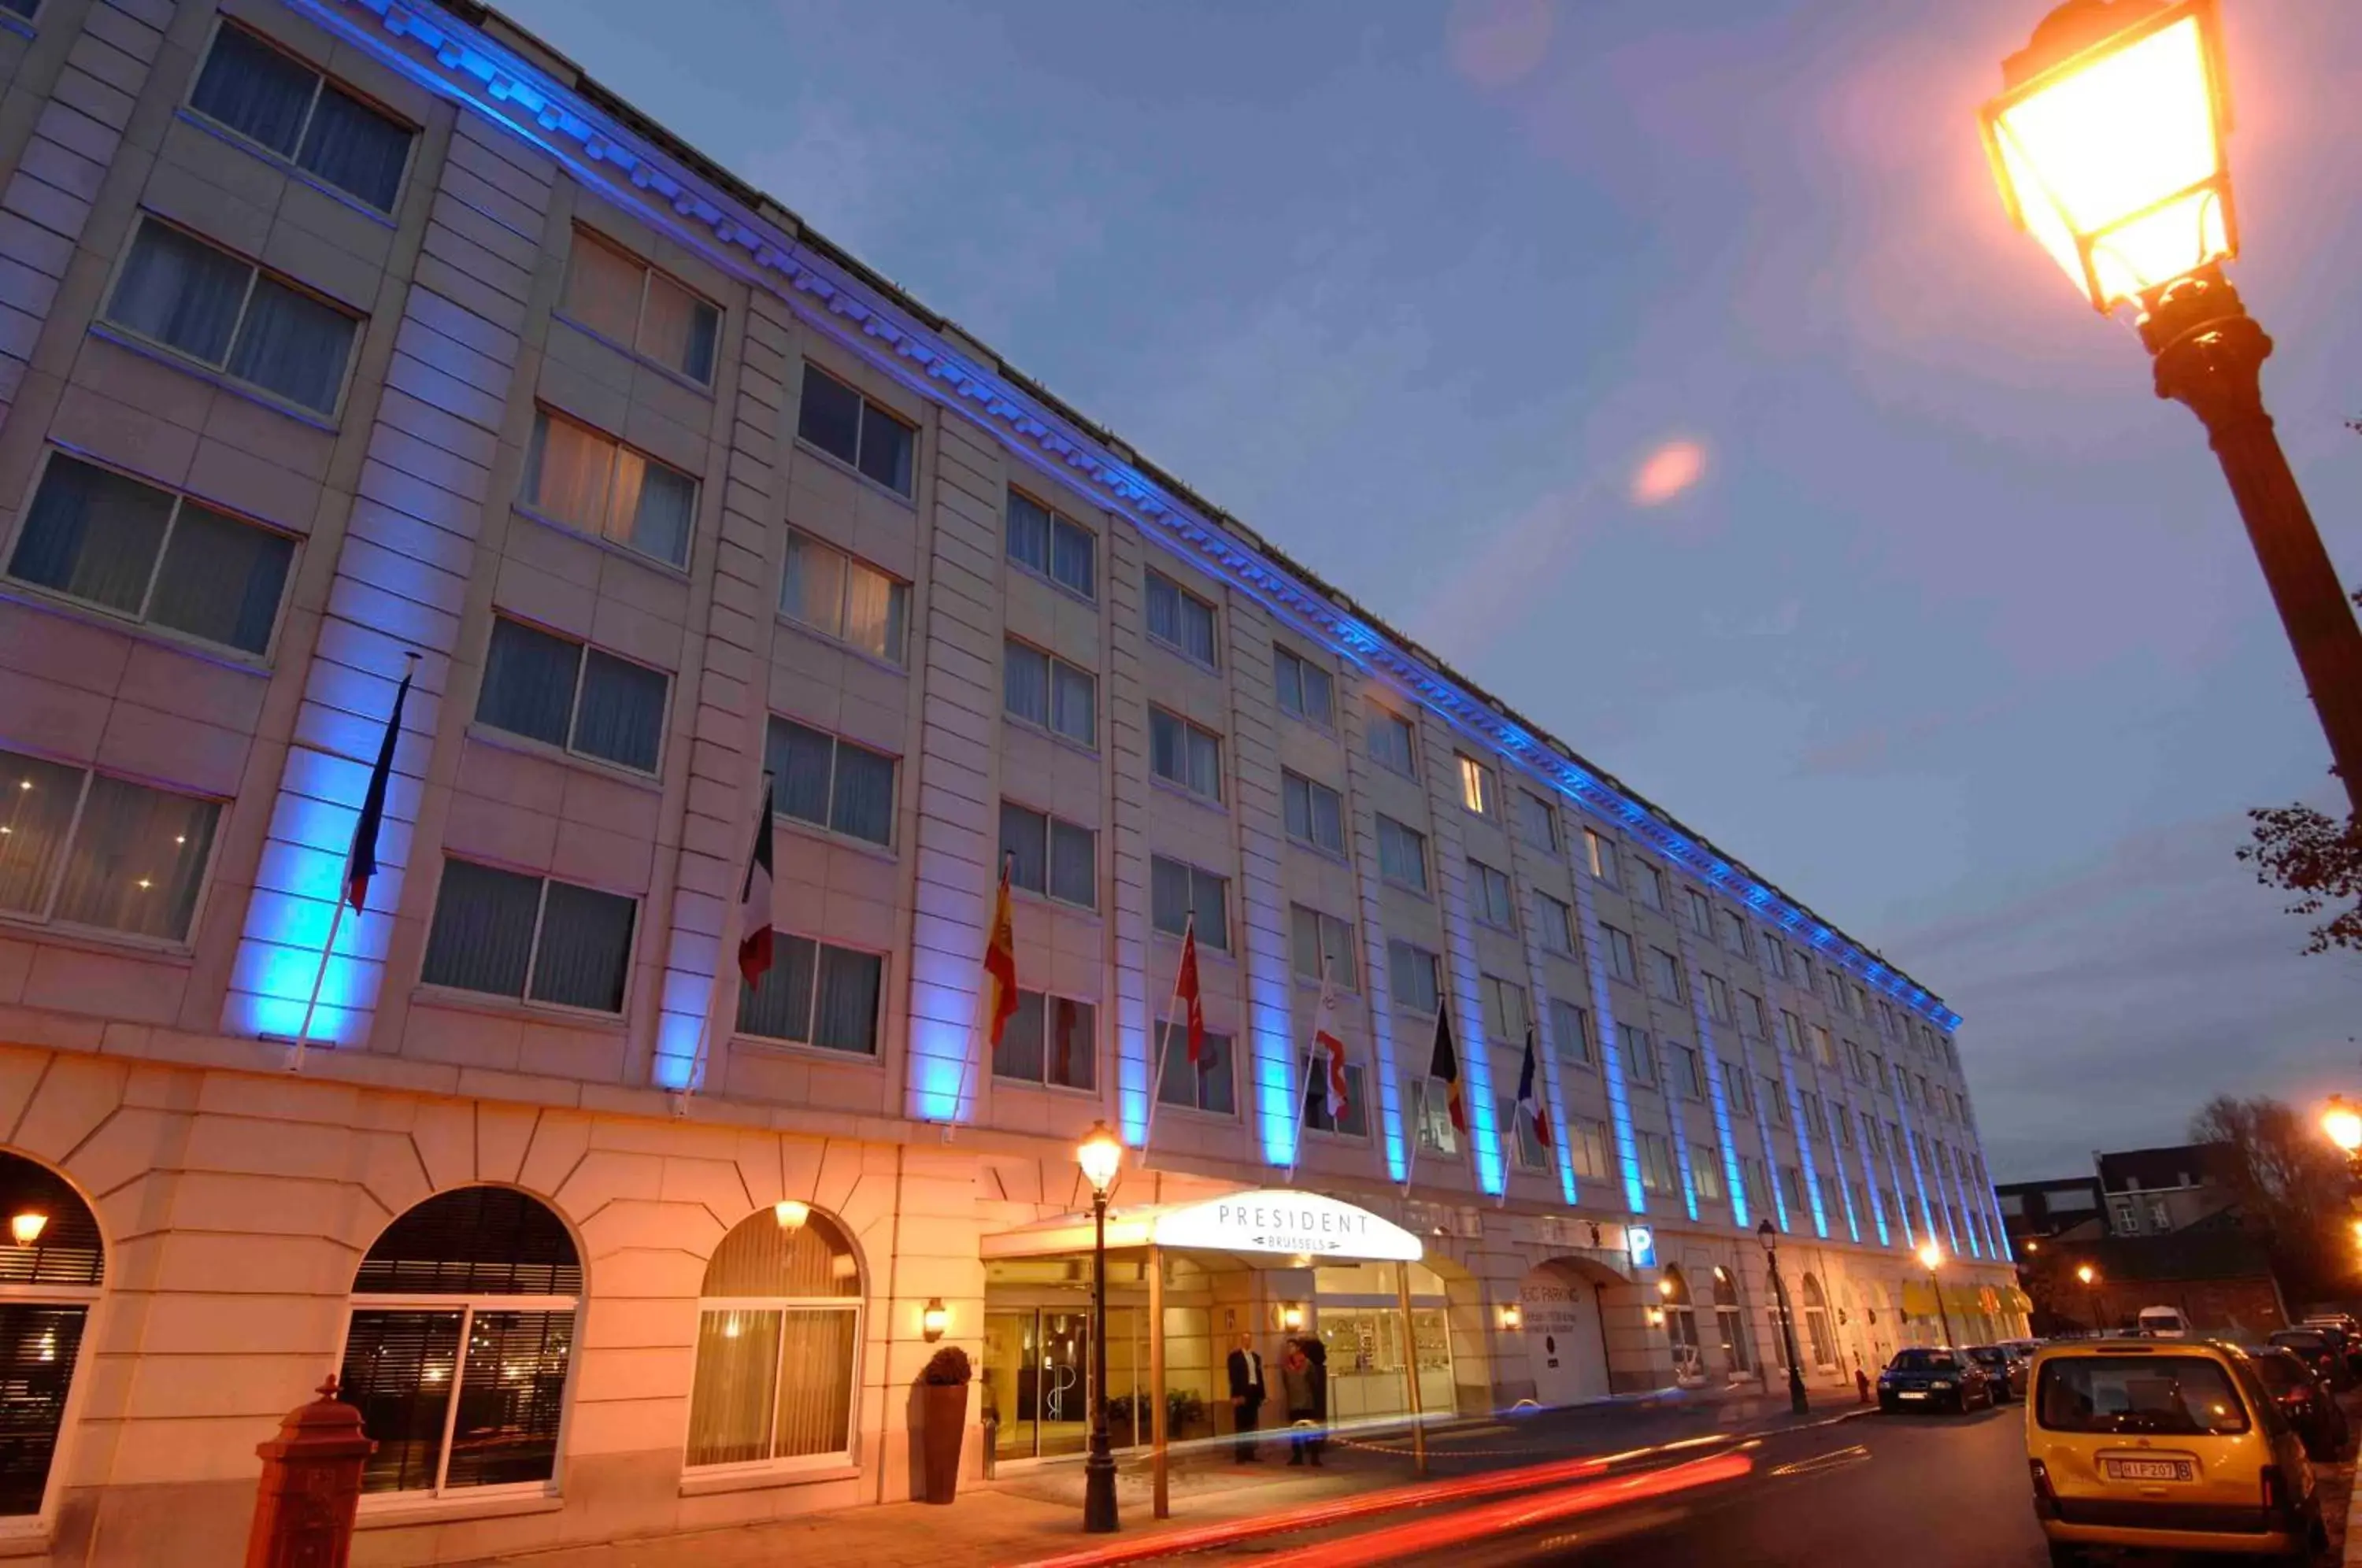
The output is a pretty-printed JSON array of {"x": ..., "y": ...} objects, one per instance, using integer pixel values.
[
  {"x": 311, "y": 1487},
  {"x": 1861, "y": 1384}
]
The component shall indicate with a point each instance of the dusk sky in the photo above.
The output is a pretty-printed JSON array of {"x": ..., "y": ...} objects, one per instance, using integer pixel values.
[{"x": 1670, "y": 367}]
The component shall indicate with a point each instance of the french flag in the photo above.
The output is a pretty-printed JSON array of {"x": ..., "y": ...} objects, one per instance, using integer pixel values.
[{"x": 754, "y": 902}]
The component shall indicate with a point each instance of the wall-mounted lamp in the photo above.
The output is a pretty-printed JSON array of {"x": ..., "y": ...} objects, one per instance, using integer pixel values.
[
  {"x": 1291, "y": 1317},
  {"x": 1665, "y": 1288},
  {"x": 933, "y": 1319},
  {"x": 1656, "y": 1316},
  {"x": 1513, "y": 1316},
  {"x": 27, "y": 1227},
  {"x": 790, "y": 1214}
]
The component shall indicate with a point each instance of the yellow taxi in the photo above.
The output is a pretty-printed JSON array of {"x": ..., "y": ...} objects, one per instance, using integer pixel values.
[{"x": 2167, "y": 1445}]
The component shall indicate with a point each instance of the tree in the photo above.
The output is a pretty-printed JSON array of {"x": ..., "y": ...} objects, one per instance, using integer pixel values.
[
  {"x": 2290, "y": 1186},
  {"x": 2313, "y": 855}
]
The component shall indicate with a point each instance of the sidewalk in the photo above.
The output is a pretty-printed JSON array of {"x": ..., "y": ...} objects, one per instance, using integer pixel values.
[{"x": 1038, "y": 1513}]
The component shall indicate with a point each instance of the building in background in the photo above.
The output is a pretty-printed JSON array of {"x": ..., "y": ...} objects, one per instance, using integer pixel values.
[
  {"x": 2034, "y": 1213},
  {"x": 333, "y": 332},
  {"x": 2155, "y": 1192}
]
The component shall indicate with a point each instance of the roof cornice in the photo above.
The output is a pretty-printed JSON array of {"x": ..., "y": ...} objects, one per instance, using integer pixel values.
[{"x": 768, "y": 249}]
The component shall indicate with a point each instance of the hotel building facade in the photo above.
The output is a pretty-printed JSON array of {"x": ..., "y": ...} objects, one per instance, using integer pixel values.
[{"x": 334, "y": 331}]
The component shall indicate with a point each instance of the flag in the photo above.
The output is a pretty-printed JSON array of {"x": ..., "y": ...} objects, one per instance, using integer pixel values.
[
  {"x": 1530, "y": 1094},
  {"x": 755, "y": 911},
  {"x": 1191, "y": 995},
  {"x": 1326, "y": 1041},
  {"x": 361, "y": 863},
  {"x": 1446, "y": 1066},
  {"x": 1000, "y": 959}
]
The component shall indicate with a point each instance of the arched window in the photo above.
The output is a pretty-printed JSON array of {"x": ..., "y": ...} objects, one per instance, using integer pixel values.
[
  {"x": 778, "y": 1344},
  {"x": 51, "y": 1265},
  {"x": 1729, "y": 1322},
  {"x": 1681, "y": 1319},
  {"x": 1820, "y": 1342},
  {"x": 462, "y": 1332}
]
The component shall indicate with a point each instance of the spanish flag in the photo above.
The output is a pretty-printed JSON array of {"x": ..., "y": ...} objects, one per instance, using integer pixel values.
[
  {"x": 1000, "y": 958},
  {"x": 1446, "y": 1066}
]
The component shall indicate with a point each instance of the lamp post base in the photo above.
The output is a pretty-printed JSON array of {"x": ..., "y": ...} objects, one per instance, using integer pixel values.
[{"x": 1099, "y": 1488}]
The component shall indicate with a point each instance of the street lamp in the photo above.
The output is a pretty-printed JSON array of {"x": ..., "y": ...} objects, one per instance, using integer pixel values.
[
  {"x": 1101, "y": 1156},
  {"x": 2091, "y": 1278},
  {"x": 1769, "y": 1234},
  {"x": 2107, "y": 140},
  {"x": 2343, "y": 1124},
  {"x": 1931, "y": 1258}
]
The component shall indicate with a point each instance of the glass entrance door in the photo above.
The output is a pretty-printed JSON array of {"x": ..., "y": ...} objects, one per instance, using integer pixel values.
[{"x": 1037, "y": 1379}]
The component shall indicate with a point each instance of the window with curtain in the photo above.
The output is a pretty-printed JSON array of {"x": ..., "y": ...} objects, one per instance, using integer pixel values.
[
  {"x": 47, "y": 1289},
  {"x": 153, "y": 556},
  {"x": 778, "y": 1346},
  {"x": 570, "y": 695},
  {"x": 1490, "y": 896},
  {"x": 1402, "y": 855},
  {"x": 1177, "y": 891},
  {"x": 816, "y": 994},
  {"x": 505, "y": 933},
  {"x": 1394, "y": 744},
  {"x": 284, "y": 106},
  {"x": 1316, "y": 937},
  {"x": 1479, "y": 792},
  {"x": 1052, "y": 1041},
  {"x": 459, "y": 1343},
  {"x": 1415, "y": 974},
  {"x": 1570, "y": 1032},
  {"x": 1557, "y": 919},
  {"x": 842, "y": 597},
  {"x": 1050, "y": 544},
  {"x": 1355, "y": 1122},
  {"x": 1315, "y": 814},
  {"x": 1184, "y": 754},
  {"x": 1051, "y": 856},
  {"x": 632, "y": 305},
  {"x": 588, "y": 480},
  {"x": 1586, "y": 1142},
  {"x": 1601, "y": 853},
  {"x": 1305, "y": 690},
  {"x": 829, "y": 782},
  {"x": 85, "y": 849},
  {"x": 1537, "y": 822},
  {"x": 1207, "y": 1086},
  {"x": 228, "y": 316},
  {"x": 834, "y": 418},
  {"x": 1047, "y": 692},
  {"x": 1180, "y": 620}
]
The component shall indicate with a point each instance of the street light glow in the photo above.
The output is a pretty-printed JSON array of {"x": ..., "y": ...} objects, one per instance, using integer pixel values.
[
  {"x": 2087, "y": 1273},
  {"x": 1100, "y": 1155},
  {"x": 2343, "y": 1124},
  {"x": 1931, "y": 1256}
]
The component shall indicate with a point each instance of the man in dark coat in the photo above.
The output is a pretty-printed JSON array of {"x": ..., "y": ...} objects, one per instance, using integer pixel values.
[
  {"x": 1318, "y": 1355},
  {"x": 1246, "y": 1396}
]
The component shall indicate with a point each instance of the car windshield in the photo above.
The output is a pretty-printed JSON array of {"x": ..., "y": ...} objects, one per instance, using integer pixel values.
[
  {"x": 1991, "y": 1356},
  {"x": 1923, "y": 1360},
  {"x": 2170, "y": 1394}
]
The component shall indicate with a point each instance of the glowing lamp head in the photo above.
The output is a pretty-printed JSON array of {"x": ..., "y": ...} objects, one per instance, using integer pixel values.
[
  {"x": 1291, "y": 1317},
  {"x": 2343, "y": 1124},
  {"x": 1513, "y": 1316},
  {"x": 790, "y": 1214},
  {"x": 1931, "y": 1256},
  {"x": 1100, "y": 1155},
  {"x": 2086, "y": 1273},
  {"x": 27, "y": 1227},
  {"x": 1665, "y": 1288},
  {"x": 934, "y": 1318},
  {"x": 2107, "y": 140}
]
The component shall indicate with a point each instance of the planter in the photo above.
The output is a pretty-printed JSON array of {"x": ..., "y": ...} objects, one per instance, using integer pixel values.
[{"x": 943, "y": 1420}]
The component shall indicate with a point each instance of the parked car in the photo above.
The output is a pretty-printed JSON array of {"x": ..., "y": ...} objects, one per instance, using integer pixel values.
[
  {"x": 2345, "y": 1324},
  {"x": 2318, "y": 1351},
  {"x": 2304, "y": 1399},
  {"x": 2166, "y": 1446},
  {"x": 2163, "y": 1323},
  {"x": 1924, "y": 1378},
  {"x": 2025, "y": 1349},
  {"x": 2005, "y": 1366}
]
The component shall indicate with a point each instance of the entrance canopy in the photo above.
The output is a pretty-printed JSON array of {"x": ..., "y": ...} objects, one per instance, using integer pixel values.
[{"x": 1283, "y": 1229}]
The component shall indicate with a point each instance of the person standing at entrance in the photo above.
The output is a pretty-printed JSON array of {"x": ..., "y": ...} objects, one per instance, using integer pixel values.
[
  {"x": 1246, "y": 1396},
  {"x": 1295, "y": 1374},
  {"x": 1318, "y": 1355}
]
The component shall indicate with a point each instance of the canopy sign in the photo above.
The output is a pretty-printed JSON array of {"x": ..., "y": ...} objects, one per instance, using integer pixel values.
[{"x": 1303, "y": 1224}]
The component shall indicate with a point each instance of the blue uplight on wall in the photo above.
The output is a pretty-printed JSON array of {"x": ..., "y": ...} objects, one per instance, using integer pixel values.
[{"x": 1804, "y": 1156}]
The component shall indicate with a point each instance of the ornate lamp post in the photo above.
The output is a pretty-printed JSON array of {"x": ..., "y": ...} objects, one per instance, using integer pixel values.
[
  {"x": 1101, "y": 1157},
  {"x": 1769, "y": 1234},
  {"x": 1931, "y": 1258},
  {"x": 2107, "y": 139},
  {"x": 2091, "y": 1278}
]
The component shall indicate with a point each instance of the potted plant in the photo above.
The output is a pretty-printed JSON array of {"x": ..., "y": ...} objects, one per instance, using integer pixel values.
[
  {"x": 943, "y": 1420},
  {"x": 1184, "y": 1414}
]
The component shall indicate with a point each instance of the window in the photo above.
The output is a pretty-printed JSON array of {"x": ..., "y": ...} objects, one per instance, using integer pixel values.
[
  {"x": 1430, "y": 1108},
  {"x": 1059, "y": 697},
  {"x": 1717, "y": 999},
  {"x": 82, "y": 848},
  {"x": 1478, "y": 791},
  {"x": 1754, "y": 1020},
  {"x": 1665, "y": 976},
  {"x": 1205, "y": 1087},
  {"x": 1537, "y": 822},
  {"x": 1812, "y": 1121},
  {"x": 779, "y": 1347},
  {"x": 1620, "y": 961},
  {"x": 1736, "y": 1091},
  {"x": 1394, "y": 745},
  {"x": 152, "y": 556},
  {"x": 1802, "y": 969},
  {"x": 1052, "y": 857},
  {"x": 2168, "y": 1395},
  {"x": 1180, "y": 620},
  {"x": 1402, "y": 855},
  {"x": 534, "y": 938},
  {"x": 1587, "y": 1142},
  {"x": 816, "y": 994},
  {"x": 1824, "y": 1053},
  {"x": 1870, "y": 1138},
  {"x": 840, "y": 596},
  {"x": 1885, "y": 1079},
  {"x": 1316, "y": 937},
  {"x": 1734, "y": 933},
  {"x": 834, "y": 418},
  {"x": 1683, "y": 1075},
  {"x": 1525, "y": 1148},
  {"x": 1775, "y": 1101},
  {"x": 1792, "y": 1187},
  {"x": 1856, "y": 1068},
  {"x": 1356, "y": 1122},
  {"x": 461, "y": 1335},
  {"x": 1489, "y": 890},
  {"x": 1049, "y": 1039},
  {"x": 1315, "y": 812},
  {"x": 1656, "y": 1162},
  {"x": 830, "y": 783},
  {"x": 1176, "y": 891},
  {"x": 1792, "y": 1034},
  {"x": 1639, "y": 1056},
  {"x": 1701, "y": 912},
  {"x": 1415, "y": 976},
  {"x": 1775, "y": 958},
  {"x": 226, "y": 314},
  {"x": 1048, "y": 543},
  {"x": 632, "y": 305},
  {"x": 51, "y": 1283},
  {"x": 1503, "y": 1005},
  {"x": 1602, "y": 853},
  {"x": 1759, "y": 1192},
  {"x": 1305, "y": 689},
  {"x": 1652, "y": 886},
  {"x": 591, "y": 481},
  {"x": 1570, "y": 1033},
  {"x": 1706, "y": 1171},
  {"x": 1557, "y": 918},
  {"x": 1885, "y": 1022},
  {"x": 283, "y": 105},
  {"x": 1181, "y": 753},
  {"x": 1857, "y": 1002}
]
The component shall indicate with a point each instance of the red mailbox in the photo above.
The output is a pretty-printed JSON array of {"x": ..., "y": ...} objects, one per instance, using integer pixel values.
[{"x": 311, "y": 1487}]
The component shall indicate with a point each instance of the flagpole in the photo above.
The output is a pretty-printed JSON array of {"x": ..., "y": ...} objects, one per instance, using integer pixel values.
[
  {"x": 1165, "y": 1039},
  {"x": 728, "y": 948},
  {"x": 1304, "y": 1094},
  {"x": 319, "y": 974},
  {"x": 975, "y": 1036}
]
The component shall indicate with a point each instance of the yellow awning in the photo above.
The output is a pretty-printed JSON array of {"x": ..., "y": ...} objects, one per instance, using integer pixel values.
[{"x": 1918, "y": 1298}]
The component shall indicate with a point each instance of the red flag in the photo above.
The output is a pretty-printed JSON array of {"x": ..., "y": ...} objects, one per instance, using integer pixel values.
[
  {"x": 1192, "y": 997},
  {"x": 755, "y": 898},
  {"x": 1328, "y": 1042},
  {"x": 1000, "y": 959},
  {"x": 1530, "y": 1094}
]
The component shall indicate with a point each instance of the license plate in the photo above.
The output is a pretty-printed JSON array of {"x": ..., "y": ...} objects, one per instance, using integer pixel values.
[
  {"x": 1913, "y": 1394},
  {"x": 2145, "y": 1469}
]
